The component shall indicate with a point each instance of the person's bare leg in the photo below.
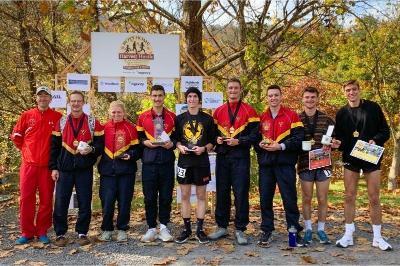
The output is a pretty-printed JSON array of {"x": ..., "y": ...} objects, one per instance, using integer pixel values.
[
  {"x": 350, "y": 185},
  {"x": 373, "y": 185},
  {"x": 375, "y": 209},
  {"x": 322, "y": 196},
  {"x": 201, "y": 194},
  {"x": 185, "y": 200},
  {"x": 307, "y": 194}
]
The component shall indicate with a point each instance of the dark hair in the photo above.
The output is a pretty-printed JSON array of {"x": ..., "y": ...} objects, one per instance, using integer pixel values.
[
  {"x": 351, "y": 82},
  {"x": 311, "y": 90},
  {"x": 193, "y": 90},
  {"x": 77, "y": 92},
  {"x": 274, "y": 87},
  {"x": 235, "y": 80},
  {"x": 157, "y": 88}
]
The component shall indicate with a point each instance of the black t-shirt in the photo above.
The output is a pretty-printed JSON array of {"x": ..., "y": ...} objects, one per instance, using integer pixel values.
[
  {"x": 367, "y": 119},
  {"x": 198, "y": 129}
]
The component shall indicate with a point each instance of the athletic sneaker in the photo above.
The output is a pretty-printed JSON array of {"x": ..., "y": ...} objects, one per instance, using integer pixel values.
[
  {"x": 382, "y": 244},
  {"x": 218, "y": 233},
  {"x": 202, "y": 237},
  {"x": 105, "y": 236},
  {"x": 122, "y": 236},
  {"x": 150, "y": 236},
  {"x": 308, "y": 236},
  {"x": 165, "y": 235},
  {"x": 23, "y": 240},
  {"x": 265, "y": 238},
  {"x": 323, "y": 238},
  {"x": 345, "y": 241},
  {"x": 241, "y": 238},
  {"x": 183, "y": 237}
]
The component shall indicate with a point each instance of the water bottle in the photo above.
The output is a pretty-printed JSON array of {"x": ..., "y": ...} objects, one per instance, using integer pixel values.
[{"x": 292, "y": 237}]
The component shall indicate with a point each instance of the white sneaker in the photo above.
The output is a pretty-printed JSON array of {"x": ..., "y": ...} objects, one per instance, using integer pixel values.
[
  {"x": 382, "y": 244},
  {"x": 165, "y": 235},
  {"x": 345, "y": 241},
  {"x": 105, "y": 236},
  {"x": 150, "y": 235},
  {"x": 122, "y": 236}
]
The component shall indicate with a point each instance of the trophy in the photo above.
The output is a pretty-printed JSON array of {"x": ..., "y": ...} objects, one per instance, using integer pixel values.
[
  {"x": 191, "y": 143},
  {"x": 158, "y": 130}
]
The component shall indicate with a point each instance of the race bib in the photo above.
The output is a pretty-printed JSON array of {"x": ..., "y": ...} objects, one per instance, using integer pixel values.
[{"x": 181, "y": 172}]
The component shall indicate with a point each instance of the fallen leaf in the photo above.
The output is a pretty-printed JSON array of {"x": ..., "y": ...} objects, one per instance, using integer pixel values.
[
  {"x": 86, "y": 248},
  {"x": 200, "y": 261},
  {"x": 309, "y": 259},
  {"x": 73, "y": 251},
  {"x": 216, "y": 260},
  {"x": 112, "y": 264},
  {"x": 284, "y": 254},
  {"x": 182, "y": 251},
  {"x": 37, "y": 245},
  {"x": 4, "y": 254},
  {"x": 55, "y": 251},
  {"x": 166, "y": 261},
  {"x": 37, "y": 263},
  {"x": 300, "y": 251},
  {"x": 251, "y": 254},
  {"x": 20, "y": 262},
  {"x": 22, "y": 247},
  {"x": 149, "y": 244},
  {"x": 169, "y": 245},
  {"x": 319, "y": 249}
]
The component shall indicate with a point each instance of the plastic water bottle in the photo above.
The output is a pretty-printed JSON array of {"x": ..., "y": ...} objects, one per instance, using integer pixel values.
[{"x": 292, "y": 237}]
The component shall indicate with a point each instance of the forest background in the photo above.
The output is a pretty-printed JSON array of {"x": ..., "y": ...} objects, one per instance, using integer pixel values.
[{"x": 291, "y": 43}]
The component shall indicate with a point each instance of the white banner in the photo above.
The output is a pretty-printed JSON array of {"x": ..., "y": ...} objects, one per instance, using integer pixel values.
[
  {"x": 86, "y": 109},
  {"x": 107, "y": 84},
  {"x": 212, "y": 100},
  {"x": 191, "y": 81},
  {"x": 78, "y": 82},
  {"x": 135, "y": 85},
  {"x": 135, "y": 54},
  {"x": 180, "y": 108},
  {"x": 59, "y": 99},
  {"x": 168, "y": 84}
]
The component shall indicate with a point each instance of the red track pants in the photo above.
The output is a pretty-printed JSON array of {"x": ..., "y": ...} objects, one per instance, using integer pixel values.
[{"x": 32, "y": 179}]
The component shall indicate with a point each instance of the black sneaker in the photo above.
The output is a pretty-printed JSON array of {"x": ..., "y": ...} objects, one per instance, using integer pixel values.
[
  {"x": 300, "y": 241},
  {"x": 202, "y": 237},
  {"x": 183, "y": 237},
  {"x": 265, "y": 239}
]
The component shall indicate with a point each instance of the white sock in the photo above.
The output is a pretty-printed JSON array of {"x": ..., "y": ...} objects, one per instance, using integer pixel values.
[
  {"x": 321, "y": 226},
  {"x": 349, "y": 229},
  {"x": 376, "y": 229},
  {"x": 162, "y": 226},
  {"x": 308, "y": 224}
]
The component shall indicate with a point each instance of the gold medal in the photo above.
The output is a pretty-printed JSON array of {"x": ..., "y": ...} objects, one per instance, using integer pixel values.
[
  {"x": 312, "y": 141},
  {"x": 231, "y": 130},
  {"x": 75, "y": 143},
  {"x": 356, "y": 134}
]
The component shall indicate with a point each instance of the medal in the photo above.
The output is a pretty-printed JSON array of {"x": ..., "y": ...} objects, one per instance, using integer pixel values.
[
  {"x": 75, "y": 143},
  {"x": 356, "y": 134},
  {"x": 75, "y": 131},
  {"x": 231, "y": 131}
]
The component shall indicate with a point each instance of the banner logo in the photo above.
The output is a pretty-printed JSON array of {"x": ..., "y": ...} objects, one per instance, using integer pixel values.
[{"x": 136, "y": 52}]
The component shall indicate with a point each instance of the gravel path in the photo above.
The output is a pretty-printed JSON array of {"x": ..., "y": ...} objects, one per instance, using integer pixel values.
[{"x": 221, "y": 252}]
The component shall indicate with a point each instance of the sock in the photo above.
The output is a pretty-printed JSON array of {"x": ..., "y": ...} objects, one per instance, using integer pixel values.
[
  {"x": 162, "y": 226},
  {"x": 199, "y": 224},
  {"x": 308, "y": 224},
  {"x": 349, "y": 229},
  {"x": 376, "y": 229},
  {"x": 321, "y": 226},
  {"x": 187, "y": 224}
]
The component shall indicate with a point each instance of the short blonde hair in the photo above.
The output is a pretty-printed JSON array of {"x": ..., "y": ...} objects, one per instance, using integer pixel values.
[
  {"x": 117, "y": 103},
  {"x": 351, "y": 82}
]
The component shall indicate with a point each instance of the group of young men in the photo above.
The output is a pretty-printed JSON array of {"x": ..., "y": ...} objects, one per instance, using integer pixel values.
[{"x": 49, "y": 147}]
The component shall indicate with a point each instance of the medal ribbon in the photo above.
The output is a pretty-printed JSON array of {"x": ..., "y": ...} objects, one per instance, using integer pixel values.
[
  {"x": 80, "y": 124},
  {"x": 232, "y": 116},
  {"x": 356, "y": 116}
]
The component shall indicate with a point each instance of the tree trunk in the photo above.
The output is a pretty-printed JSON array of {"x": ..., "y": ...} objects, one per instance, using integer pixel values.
[
  {"x": 25, "y": 45},
  {"x": 395, "y": 167},
  {"x": 193, "y": 34}
]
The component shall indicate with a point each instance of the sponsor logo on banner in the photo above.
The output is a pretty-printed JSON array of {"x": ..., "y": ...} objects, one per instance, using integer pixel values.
[{"x": 136, "y": 52}]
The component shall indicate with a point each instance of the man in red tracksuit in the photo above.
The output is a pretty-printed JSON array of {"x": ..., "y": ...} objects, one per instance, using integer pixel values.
[
  {"x": 32, "y": 135},
  {"x": 281, "y": 133}
]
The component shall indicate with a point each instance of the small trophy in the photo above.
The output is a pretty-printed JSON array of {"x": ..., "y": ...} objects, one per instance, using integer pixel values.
[
  {"x": 158, "y": 130},
  {"x": 191, "y": 143},
  {"x": 267, "y": 141}
]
